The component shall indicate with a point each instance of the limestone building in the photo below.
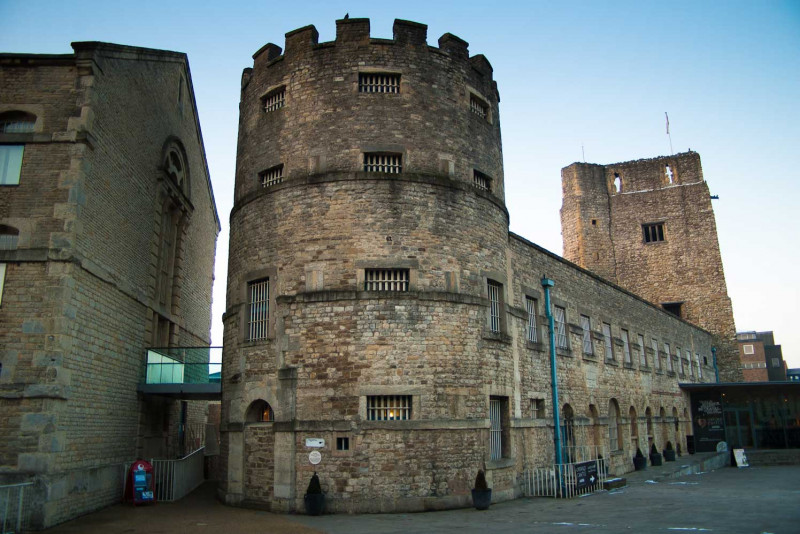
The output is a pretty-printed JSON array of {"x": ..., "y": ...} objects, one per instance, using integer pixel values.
[
  {"x": 380, "y": 312},
  {"x": 648, "y": 225},
  {"x": 107, "y": 238}
]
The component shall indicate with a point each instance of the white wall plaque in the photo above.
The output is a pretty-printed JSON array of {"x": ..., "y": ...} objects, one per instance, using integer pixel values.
[
  {"x": 315, "y": 457},
  {"x": 315, "y": 442}
]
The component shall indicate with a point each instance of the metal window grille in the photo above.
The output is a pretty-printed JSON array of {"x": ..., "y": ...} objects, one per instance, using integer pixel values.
[
  {"x": 259, "y": 309},
  {"x": 481, "y": 181},
  {"x": 626, "y": 346},
  {"x": 271, "y": 176},
  {"x": 494, "y": 290},
  {"x": 17, "y": 126},
  {"x": 642, "y": 353},
  {"x": 275, "y": 100},
  {"x": 496, "y": 430},
  {"x": 478, "y": 106},
  {"x": 389, "y": 407},
  {"x": 653, "y": 232},
  {"x": 530, "y": 328},
  {"x": 386, "y": 279},
  {"x": 669, "y": 356},
  {"x": 389, "y": 163},
  {"x": 561, "y": 327},
  {"x": 378, "y": 82},
  {"x": 608, "y": 344},
  {"x": 586, "y": 324},
  {"x": 699, "y": 367},
  {"x": 655, "y": 353}
]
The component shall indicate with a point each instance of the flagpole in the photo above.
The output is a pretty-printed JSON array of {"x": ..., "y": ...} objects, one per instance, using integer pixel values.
[{"x": 672, "y": 152}]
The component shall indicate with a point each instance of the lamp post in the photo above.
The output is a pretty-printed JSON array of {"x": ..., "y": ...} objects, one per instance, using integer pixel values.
[{"x": 547, "y": 283}]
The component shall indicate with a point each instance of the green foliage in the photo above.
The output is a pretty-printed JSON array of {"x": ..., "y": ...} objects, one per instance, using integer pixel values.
[
  {"x": 313, "y": 487},
  {"x": 480, "y": 481}
]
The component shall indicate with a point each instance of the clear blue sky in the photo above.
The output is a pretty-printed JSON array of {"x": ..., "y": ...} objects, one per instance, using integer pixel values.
[{"x": 598, "y": 74}]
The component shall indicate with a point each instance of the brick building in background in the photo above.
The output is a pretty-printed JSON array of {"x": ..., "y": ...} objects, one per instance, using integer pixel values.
[
  {"x": 380, "y": 312},
  {"x": 107, "y": 239},
  {"x": 648, "y": 225},
  {"x": 761, "y": 359}
]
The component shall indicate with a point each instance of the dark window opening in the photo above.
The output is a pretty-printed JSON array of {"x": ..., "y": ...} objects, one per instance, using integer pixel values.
[
  {"x": 342, "y": 444},
  {"x": 673, "y": 307},
  {"x": 594, "y": 222},
  {"x": 378, "y": 82},
  {"x": 653, "y": 232}
]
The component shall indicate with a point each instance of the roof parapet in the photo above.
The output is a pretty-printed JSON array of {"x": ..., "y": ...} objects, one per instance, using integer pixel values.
[
  {"x": 301, "y": 40},
  {"x": 409, "y": 32},
  {"x": 270, "y": 50},
  {"x": 454, "y": 46},
  {"x": 482, "y": 65},
  {"x": 352, "y": 31}
]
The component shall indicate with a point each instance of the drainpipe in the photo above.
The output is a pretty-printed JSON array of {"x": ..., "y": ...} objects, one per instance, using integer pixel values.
[
  {"x": 547, "y": 284},
  {"x": 714, "y": 359}
]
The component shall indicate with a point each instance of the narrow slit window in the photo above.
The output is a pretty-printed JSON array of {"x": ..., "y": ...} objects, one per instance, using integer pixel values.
[
  {"x": 258, "y": 296},
  {"x": 586, "y": 324},
  {"x": 530, "y": 327},
  {"x": 274, "y": 100},
  {"x": 653, "y": 232},
  {"x": 608, "y": 341},
  {"x": 481, "y": 181},
  {"x": 560, "y": 320},
  {"x": 626, "y": 346},
  {"x": 389, "y": 407},
  {"x": 669, "y": 357},
  {"x": 378, "y": 82},
  {"x": 494, "y": 291},
  {"x": 271, "y": 176},
  {"x": 669, "y": 174},
  {"x": 642, "y": 353},
  {"x": 478, "y": 106},
  {"x": 388, "y": 163},
  {"x": 656, "y": 357},
  {"x": 617, "y": 183},
  {"x": 386, "y": 279}
]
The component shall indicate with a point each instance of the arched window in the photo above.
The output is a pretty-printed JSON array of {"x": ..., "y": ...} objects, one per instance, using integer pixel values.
[
  {"x": 9, "y": 237},
  {"x": 175, "y": 165},
  {"x": 259, "y": 411},
  {"x": 17, "y": 122},
  {"x": 634, "y": 428},
  {"x": 614, "y": 433}
]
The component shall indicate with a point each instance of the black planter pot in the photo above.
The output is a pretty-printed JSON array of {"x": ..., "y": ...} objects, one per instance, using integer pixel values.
[
  {"x": 315, "y": 502},
  {"x": 669, "y": 455},
  {"x": 639, "y": 463},
  {"x": 655, "y": 459},
  {"x": 481, "y": 499}
]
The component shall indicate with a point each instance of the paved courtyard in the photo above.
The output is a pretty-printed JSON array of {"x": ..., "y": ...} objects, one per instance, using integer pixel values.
[{"x": 751, "y": 500}]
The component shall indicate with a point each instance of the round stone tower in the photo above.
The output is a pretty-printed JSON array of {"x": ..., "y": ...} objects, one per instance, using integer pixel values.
[{"x": 368, "y": 236}]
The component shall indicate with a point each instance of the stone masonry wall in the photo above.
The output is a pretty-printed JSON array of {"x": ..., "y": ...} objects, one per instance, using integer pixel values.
[{"x": 602, "y": 230}]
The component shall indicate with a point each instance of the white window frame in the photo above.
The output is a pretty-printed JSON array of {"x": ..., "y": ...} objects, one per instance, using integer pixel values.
[
  {"x": 586, "y": 325},
  {"x": 626, "y": 346},
  {"x": 494, "y": 291},
  {"x": 608, "y": 341},
  {"x": 560, "y": 320},
  {"x": 258, "y": 309},
  {"x": 656, "y": 357},
  {"x": 669, "y": 357},
  {"x": 531, "y": 333},
  {"x": 680, "y": 360},
  {"x": 689, "y": 363},
  {"x": 699, "y": 366},
  {"x": 748, "y": 349},
  {"x": 642, "y": 351}
]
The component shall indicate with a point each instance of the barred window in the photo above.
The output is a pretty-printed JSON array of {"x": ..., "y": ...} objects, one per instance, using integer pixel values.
[
  {"x": 656, "y": 357},
  {"x": 642, "y": 353},
  {"x": 680, "y": 361},
  {"x": 494, "y": 290},
  {"x": 380, "y": 162},
  {"x": 271, "y": 176},
  {"x": 274, "y": 100},
  {"x": 689, "y": 363},
  {"x": 378, "y": 82},
  {"x": 586, "y": 324},
  {"x": 481, "y": 181},
  {"x": 608, "y": 342},
  {"x": 386, "y": 279},
  {"x": 258, "y": 303},
  {"x": 626, "y": 346},
  {"x": 653, "y": 232},
  {"x": 530, "y": 328},
  {"x": 499, "y": 429},
  {"x": 560, "y": 319},
  {"x": 388, "y": 407},
  {"x": 613, "y": 429},
  {"x": 478, "y": 106}
]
